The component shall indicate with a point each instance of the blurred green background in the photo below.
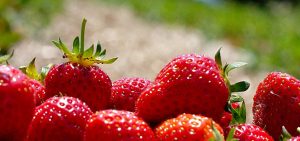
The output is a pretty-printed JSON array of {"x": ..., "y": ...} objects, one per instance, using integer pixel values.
[
  {"x": 268, "y": 29},
  {"x": 19, "y": 18}
]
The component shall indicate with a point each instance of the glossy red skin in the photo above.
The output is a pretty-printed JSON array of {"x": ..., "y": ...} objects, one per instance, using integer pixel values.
[
  {"x": 294, "y": 139},
  {"x": 90, "y": 84},
  {"x": 59, "y": 119},
  {"x": 126, "y": 91},
  {"x": 250, "y": 132},
  {"x": 117, "y": 125},
  {"x": 187, "y": 127},
  {"x": 276, "y": 104},
  {"x": 225, "y": 120},
  {"x": 39, "y": 91},
  {"x": 188, "y": 84},
  {"x": 16, "y": 104}
]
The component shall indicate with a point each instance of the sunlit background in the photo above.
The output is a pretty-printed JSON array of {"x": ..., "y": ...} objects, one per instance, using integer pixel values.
[{"x": 146, "y": 34}]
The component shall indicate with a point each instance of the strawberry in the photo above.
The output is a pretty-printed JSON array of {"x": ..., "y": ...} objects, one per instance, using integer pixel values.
[
  {"x": 126, "y": 91},
  {"x": 276, "y": 104},
  {"x": 37, "y": 80},
  {"x": 249, "y": 132},
  {"x": 189, "y": 84},
  {"x": 117, "y": 125},
  {"x": 59, "y": 119},
  {"x": 227, "y": 116},
  {"x": 188, "y": 127},
  {"x": 79, "y": 77},
  {"x": 225, "y": 119},
  {"x": 16, "y": 102}
]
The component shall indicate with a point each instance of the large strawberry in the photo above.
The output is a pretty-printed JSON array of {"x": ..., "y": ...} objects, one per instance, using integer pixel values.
[
  {"x": 276, "y": 104},
  {"x": 117, "y": 125},
  {"x": 126, "y": 91},
  {"x": 188, "y": 127},
  {"x": 59, "y": 119},
  {"x": 80, "y": 77},
  {"x": 16, "y": 103},
  {"x": 189, "y": 84}
]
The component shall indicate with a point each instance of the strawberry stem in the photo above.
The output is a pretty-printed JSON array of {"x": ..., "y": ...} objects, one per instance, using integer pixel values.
[
  {"x": 82, "y": 37},
  {"x": 82, "y": 56}
]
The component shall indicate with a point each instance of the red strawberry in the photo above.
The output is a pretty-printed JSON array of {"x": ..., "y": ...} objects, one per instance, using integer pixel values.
[
  {"x": 36, "y": 81},
  {"x": 39, "y": 91},
  {"x": 225, "y": 120},
  {"x": 227, "y": 115},
  {"x": 188, "y": 84},
  {"x": 115, "y": 125},
  {"x": 16, "y": 104},
  {"x": 276, "y": 104},
  {"x": 79, "y": 77},
  {"x": 59, "y": 119},
  {"x": 249, "y": 132},
  {"x": 126, "y": 91},
  {"x": 188, "y": 127}
]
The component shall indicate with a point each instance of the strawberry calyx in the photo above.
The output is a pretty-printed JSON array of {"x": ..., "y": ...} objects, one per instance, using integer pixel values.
[
  {"x": 230, "y": 136},
  {"x": 81, "y": 56},
  {"x": 237, "y": 87},
  {"x": 286, "y": 135},
  {"x": 217, "y": 136},
  {"x": 33, "y": 73},
  {"x": 4, "y": 58},
  {"x": 238, "y": 113}
]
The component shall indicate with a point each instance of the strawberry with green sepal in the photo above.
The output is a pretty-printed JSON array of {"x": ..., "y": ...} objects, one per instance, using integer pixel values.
[
  {"x": 227, "y": 115},
  {"x": 188, "y": 127},
  {"x": 59, "y": 119},
  {"x": 126, "y": 91},
  {"x": 238, "y": 129},
  {"x": 16, "y": 102},
  {"x": 117, "y": 125},
  {"x": 278, "y": 97},
  {"x": 37, "y": 80},
  {"x": 189, "y": 84},
  {"x": 79, "y": 77}
]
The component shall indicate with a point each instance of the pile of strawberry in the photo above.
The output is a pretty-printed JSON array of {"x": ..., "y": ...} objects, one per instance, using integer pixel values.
[{"x": 191, "y": 99}]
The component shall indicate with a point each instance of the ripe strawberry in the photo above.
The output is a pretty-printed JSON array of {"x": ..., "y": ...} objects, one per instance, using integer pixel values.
[
  {"x": 276, "y": 104},
  {"x": 117, "y": 125},
  {"x": 16, "y": 104},
  {"x": 79, "y": 77},
  {"x": 188, "y": 127},
  {"x": 249, "y": 132},
  {"x": 225, "y": 120},
  {"x": 126, "y": 91},
  {"x": 188, "y": 84},
  {"x": 59, "y": 119}
]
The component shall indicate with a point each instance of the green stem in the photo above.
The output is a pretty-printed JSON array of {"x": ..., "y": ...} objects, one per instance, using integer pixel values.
[{"x": 82, "y": 37}]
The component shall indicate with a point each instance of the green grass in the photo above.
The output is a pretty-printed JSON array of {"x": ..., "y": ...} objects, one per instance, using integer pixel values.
[{"x": 271, "y": 34}]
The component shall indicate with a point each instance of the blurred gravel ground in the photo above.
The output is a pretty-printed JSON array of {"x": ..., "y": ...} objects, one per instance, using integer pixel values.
[{"x": 143, "y": 48}]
